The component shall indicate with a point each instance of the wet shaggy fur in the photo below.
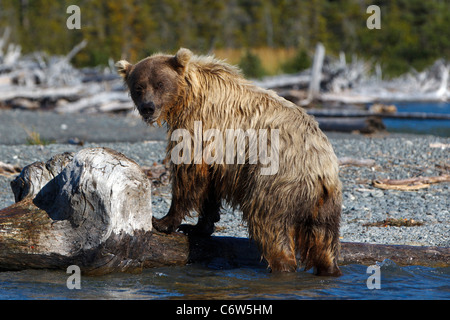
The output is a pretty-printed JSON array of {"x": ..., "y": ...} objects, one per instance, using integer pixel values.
[{"x": 293, "y": 214}]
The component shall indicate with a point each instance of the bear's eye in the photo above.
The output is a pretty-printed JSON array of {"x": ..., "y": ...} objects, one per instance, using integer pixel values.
[
  {"x": 139, "y": 90},
  {"x": 159, "y": 85}
]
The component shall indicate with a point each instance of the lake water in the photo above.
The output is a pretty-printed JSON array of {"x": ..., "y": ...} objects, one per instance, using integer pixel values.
[
  {"x": 433, "y": 127},
  {"x": 202, "y": 282}
]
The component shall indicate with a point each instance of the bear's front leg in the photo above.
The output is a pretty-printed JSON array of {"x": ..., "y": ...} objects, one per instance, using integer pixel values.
[
  {"x": 179, "y": 208},
  {"x": 170, "y": 222},
  {"x": 208, "y": 215},
  {"x": 189, "y": 190}
]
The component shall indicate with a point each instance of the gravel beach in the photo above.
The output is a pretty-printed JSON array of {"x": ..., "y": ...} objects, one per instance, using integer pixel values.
[{"x": 396, "y": 157}]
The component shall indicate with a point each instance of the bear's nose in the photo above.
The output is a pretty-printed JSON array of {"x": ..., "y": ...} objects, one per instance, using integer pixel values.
[{"x": 147, "y": 109}]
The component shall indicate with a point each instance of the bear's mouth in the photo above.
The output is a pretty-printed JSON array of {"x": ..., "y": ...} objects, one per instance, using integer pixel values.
[
  {"x": 147, "y": 115},
  {"x": 150, "y": 117}
]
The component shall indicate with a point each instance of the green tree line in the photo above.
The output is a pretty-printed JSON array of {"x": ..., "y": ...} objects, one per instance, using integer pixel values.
[{"x": 413, "y": 32}]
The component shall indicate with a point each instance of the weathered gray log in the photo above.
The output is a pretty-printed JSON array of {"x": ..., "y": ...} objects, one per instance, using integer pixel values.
[
  {"x": 347, "y": 161},
  {"x": 285, "y": 81},
  {"x": 74, "y": 92},
  {"x": 93, "y": 209},
  {"x": 23, "y": 227},
  {"x": 33, "y": 178},
  {"x": 368, "y": 254},
  {"x": 316, "y": 71},
  {"x": 31, "y": 239},
  {"x": 363, "y": 125},
  {"x": 410, "y": 184},
  {"x": 316, "y": 75},
  {"x": 324, "y": 113},
  {"x": 104, "y": 101}
]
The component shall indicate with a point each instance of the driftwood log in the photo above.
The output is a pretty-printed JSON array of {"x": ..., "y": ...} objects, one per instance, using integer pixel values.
[
  {"x": 93, "y": 209},
  {"x": 363, "y": 125},
  {"x": 410, "y": 184},
  {"x": 347, "y": 161},
  {"x": 352, "y": 114}
]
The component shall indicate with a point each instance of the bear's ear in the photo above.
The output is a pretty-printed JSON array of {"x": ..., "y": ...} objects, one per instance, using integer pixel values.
[
  {"x": 123, "y": 68},
  {"x": 182, "y": 58}
]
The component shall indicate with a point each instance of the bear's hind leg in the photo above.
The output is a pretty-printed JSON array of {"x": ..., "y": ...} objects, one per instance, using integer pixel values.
[
  {"x": 281, "y": 259},
  {"x": 317, "y": 233},
  {"x": 318, "y": 246},
  {"x": 277, "y": 245}
]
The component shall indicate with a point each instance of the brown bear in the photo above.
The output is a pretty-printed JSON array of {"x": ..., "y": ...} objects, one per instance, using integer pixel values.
[{"x": 292, "y": 209}]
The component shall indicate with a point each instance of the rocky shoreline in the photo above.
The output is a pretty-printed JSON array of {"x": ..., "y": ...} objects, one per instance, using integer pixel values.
[{"x": 370, "y": 214}]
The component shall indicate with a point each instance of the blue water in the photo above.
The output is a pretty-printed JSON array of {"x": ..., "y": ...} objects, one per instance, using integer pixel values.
[
  {"x": 433, "y": 127},
  {"x": 200, "y": 282}
]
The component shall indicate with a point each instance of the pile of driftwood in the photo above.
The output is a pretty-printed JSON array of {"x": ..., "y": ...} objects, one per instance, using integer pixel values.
[
  {"x": 93, "y": 209},
  {"x": 336, "y": 82},
  {"x": 359, "y": 82},
  {"x": 429, "y": 85},
  {"x": 39, "y": 81}
]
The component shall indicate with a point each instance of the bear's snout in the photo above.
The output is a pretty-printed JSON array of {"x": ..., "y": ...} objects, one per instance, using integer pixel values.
[{"x": 146, "y": 109}]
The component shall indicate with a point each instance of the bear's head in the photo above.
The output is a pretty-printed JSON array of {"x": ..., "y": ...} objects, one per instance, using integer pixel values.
[{"x": 155, "y": 83}]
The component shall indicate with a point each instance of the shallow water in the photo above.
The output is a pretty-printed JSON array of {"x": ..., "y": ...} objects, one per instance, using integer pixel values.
[
  {"x": 200, "y": 282},
  {"x": 417, "y": 126}
]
